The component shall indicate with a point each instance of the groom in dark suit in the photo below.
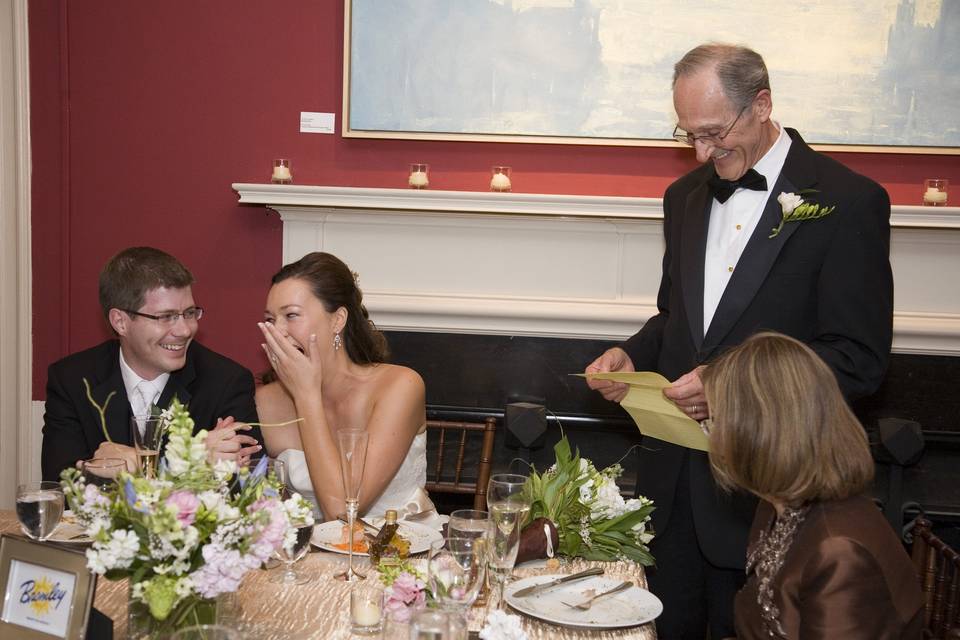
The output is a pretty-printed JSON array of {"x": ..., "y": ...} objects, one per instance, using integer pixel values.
[
  {"x": 735, "y": 263},
  {"x": 147, "y": 299}
]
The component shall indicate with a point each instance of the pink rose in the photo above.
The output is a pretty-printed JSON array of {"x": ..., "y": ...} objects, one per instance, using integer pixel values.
[{"x": 186, "y": 505}]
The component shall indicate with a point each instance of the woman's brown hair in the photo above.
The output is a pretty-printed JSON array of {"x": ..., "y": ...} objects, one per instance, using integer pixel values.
[{"x": 781, "y": 428}]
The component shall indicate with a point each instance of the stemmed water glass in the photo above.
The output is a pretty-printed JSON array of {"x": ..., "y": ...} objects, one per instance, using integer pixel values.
[
  {"x": 508, "y": 504},
  {"x": 39, "y": 507},
  {"x": 102, "y": 472},
  {"x": 353, "y": 453},
  {"x": 290, "y": 555},
  {"x": 455, "y": 571}
]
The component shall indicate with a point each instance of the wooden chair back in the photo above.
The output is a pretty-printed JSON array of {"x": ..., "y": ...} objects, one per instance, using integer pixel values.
[
  {"x": 446, "y": 469},
  {"x": 938, "y": 567}
]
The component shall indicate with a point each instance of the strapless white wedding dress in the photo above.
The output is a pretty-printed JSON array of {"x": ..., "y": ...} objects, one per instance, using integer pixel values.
[{"x": 405, "y": 493}]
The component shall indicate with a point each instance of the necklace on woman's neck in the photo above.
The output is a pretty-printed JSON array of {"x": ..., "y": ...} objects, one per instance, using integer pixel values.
[{"x": 767, "y": 557}]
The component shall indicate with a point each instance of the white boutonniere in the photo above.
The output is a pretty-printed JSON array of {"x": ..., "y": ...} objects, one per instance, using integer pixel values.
[{"x": 795, "y": 209}]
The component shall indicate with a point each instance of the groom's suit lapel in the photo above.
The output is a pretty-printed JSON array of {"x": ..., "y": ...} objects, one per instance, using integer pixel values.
[
  {"x": 798, "y": 173},
  {"x": 693, "y": 247}
]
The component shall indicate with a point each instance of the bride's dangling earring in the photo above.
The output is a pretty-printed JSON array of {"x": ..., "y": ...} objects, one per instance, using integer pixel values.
[{"x": 337, "y": 342}]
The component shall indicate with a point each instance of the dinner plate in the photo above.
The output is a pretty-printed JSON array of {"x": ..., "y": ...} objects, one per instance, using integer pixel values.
[
  {"x": 629, "y": 608},
  {"x": 69, "y": 530},
  {"x": 420, "y": 536}
]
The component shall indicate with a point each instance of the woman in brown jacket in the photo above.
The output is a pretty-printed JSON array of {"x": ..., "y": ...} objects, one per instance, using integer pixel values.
[{"x": 821, "y": 561}]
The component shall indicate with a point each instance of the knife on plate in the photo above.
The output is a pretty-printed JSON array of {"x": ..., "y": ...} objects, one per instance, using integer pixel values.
[{"x": 537, "y": 588}]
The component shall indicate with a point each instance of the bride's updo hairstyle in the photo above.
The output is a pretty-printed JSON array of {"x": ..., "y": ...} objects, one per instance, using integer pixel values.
[{"x": 333, "y": 284}]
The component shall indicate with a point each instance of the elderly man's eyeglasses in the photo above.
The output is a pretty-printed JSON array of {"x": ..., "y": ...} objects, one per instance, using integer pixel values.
[
  {"x": 169, "y": 319},
  {"x": 711, "y": 138}
]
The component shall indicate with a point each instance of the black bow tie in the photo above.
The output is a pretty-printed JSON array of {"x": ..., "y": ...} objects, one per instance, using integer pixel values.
[{"x": 723, "y": 189}]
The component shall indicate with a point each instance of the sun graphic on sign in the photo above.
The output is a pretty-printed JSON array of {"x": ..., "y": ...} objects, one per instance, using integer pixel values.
[{"x": 42, "y": 605}]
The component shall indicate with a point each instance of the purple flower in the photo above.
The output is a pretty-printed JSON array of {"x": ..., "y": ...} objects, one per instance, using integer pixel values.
[
  {"x": 222, "y": 571},
  {"x": 186, "y": 504},
  {"x": 272, "y": 534}
]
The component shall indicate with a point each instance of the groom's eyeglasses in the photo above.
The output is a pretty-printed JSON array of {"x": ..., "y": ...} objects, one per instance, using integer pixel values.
[
  {"x": 710, "y": 138},
  {"x": 169, "y": 319}
]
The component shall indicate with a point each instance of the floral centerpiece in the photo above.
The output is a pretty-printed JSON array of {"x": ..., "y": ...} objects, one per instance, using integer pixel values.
[
  {"x": 187, "y": 535},
  {"x": 592, "y": 519}
]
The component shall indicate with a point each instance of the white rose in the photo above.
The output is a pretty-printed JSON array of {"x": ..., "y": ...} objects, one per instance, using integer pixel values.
[{"x": 789, "y": 202}]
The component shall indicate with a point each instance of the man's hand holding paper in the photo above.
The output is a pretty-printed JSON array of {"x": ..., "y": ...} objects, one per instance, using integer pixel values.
[{"x": 654, "y": 414}]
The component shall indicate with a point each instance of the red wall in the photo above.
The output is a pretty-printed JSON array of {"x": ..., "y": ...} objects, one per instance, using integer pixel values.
[{"x": 144, "y": 113}]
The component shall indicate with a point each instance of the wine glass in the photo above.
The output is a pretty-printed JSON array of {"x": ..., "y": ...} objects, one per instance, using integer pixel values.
[
  {"x": 455, "y": 572},
  {"x": 147, "y": 430},
  {"x": 102, "y": 472},
  {"x": 353, "y": 454},
  {"x": 290, "y": 555},
  {"x": 508, "y": 505},
  {"x": 468, "y": 523},
  {"x": 39, "y": 507}
]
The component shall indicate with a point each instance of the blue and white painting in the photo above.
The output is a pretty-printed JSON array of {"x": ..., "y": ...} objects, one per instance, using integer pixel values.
[{"x": 845, "y": 72}]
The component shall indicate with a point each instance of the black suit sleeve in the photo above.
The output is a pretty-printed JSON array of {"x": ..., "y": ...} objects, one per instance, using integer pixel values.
[
  {"x": 643, "y": 347},
  {"x": 238, "y": 401},
  {"x": 855, "y": 301},
  {"x": 63, "y": 439}
]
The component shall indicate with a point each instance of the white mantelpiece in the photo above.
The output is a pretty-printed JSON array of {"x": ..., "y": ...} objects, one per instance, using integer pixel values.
[{"x": 555, "y": 265}]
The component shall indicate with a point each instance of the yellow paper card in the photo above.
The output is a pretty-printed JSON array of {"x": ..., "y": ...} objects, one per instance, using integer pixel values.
[{"x": 653, "y": 414}]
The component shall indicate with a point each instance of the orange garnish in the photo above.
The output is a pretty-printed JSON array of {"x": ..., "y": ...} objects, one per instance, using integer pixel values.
[{"x": 358, "y": 547}]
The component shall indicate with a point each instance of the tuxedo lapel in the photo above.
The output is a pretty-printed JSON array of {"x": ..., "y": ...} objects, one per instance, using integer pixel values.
[
  {"x": 761, "y": 251},
  {"x": 693, "y": 247},
  {"x": 177, "y": 385}
]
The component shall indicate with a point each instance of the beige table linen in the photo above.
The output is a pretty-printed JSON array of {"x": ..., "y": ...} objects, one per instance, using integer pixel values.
[{"x": 320, "y": 609}]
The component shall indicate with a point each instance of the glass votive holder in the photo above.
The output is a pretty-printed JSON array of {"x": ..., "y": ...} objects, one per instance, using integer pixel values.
[
  {"x": 935, "y": 192},
  {"x": 419, "y": 175},
  {"x": 281, "y": 172},
  {"x": 430, "y": 624},
  {"x": 366, "y": 608},
  {"x": 500, "y": 179}
]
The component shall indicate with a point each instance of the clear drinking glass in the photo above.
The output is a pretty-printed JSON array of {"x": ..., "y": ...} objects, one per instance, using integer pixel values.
[
  {"x": 278, "y": 469},
  {"x": 508, "y": 505},
  {"x": 147, "y": 431},
  {"x": 102, "y": 472},
  {"x": 289, "y": 557},
  {"x": 207, "y": 632},
  {"x": 39, "y": 507},
  {"x": 430, "y": 624},
  {"x": 353, "y": 454},
  {"x": 455, "y": 573},
  {"x": 468, "y": 523}
]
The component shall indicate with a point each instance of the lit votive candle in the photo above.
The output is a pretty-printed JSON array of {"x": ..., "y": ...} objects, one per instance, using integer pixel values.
[
  {"x": 935, "y": 192},
  {"x": 418, "y": 176},
  {"x": 366, "y": 608},
  {"x": 500, "y": 180},
  {"x": 281, "y": 172}
]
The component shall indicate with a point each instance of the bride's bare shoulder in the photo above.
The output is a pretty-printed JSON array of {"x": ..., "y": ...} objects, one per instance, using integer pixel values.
[
  {"x": 393, "y": 378},
  {"x": 273, "y": 401}
]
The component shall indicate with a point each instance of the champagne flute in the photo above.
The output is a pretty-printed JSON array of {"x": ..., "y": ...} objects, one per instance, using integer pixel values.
[
  {"x": 39, "y": 507},
  {"x": 278, "y": 469},
  {"x": 508, "y": 505},
  {"x": 353, "y": 454},
  {"x": 147, "y": 430}
]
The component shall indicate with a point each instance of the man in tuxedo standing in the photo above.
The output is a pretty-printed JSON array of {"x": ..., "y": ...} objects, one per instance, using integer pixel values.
[
  {"x": 147, "y": 299},
  {"x": 730, "y": 269}
]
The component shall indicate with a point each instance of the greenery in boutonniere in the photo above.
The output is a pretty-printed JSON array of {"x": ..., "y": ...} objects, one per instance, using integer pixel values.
[
  {"x": 593, "y": 520},
  {"x": 795, "y": 209}
]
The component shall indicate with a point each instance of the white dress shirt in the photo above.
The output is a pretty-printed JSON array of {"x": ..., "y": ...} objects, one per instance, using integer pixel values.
[
  {"x": 141, "y": 393},
  {"x": 731, "y": 225}
]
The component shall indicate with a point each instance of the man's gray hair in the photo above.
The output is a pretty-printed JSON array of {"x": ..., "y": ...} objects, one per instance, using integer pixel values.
[{"x": 741, "y": 71}]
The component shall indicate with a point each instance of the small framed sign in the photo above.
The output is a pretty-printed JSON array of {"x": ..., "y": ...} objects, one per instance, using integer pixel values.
[{"x": 47, "y": 590}]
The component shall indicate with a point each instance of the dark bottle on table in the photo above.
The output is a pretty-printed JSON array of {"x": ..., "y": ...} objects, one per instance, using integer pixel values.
[{"x": 384, "y": 536}]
